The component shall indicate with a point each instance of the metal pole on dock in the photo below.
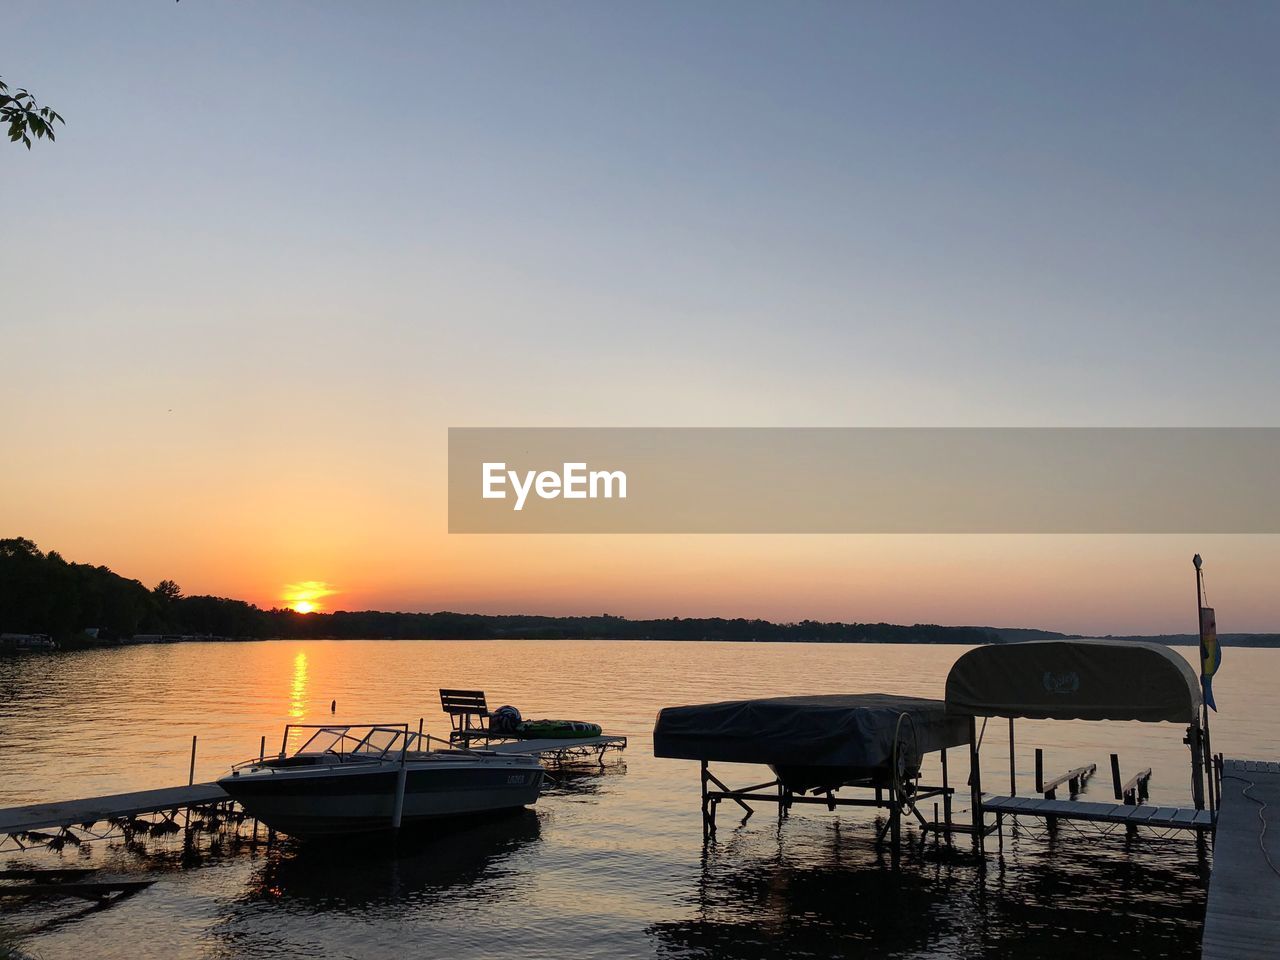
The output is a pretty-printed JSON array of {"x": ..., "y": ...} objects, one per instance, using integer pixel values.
[
  {"x": 895, "y": 822},
  {"x": 191, "y": 776},
  {"x": 946, "y": 795},
  {"x": 975, "y": 787},
  {"x": 707, "y": 829},
  {"x": 1013, "y": 775},
  {"x": 1207, "y": 759}
]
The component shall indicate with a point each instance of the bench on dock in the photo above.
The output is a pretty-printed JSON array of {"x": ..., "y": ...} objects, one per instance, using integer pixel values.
[{"x": 468, "y": 714}]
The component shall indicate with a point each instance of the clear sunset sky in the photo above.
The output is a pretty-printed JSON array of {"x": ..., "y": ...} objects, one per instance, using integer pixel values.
[{"x": 278, "y": 249}]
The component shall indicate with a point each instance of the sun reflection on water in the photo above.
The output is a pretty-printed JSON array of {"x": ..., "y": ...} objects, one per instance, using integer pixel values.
[{"x": 298, "y": 689}]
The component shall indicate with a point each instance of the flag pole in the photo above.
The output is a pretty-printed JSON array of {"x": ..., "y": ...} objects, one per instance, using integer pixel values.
[{"x": 1204, "y": 706}]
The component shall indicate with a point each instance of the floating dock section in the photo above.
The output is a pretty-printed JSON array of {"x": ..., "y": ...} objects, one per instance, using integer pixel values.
[
  {"x": 561, "y": 752},
  {"x": 1242, "y": 920},
  {"x": 74, "y": 821}
]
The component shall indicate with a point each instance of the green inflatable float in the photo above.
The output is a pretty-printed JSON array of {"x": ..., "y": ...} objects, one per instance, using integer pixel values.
[{"x": 556, "y": 729}]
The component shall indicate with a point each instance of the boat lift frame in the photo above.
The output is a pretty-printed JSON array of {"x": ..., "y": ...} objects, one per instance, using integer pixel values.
[{"x": 885, "y": 796}]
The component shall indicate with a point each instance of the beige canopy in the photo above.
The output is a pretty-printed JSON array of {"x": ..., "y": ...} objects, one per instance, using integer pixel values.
[{"x": 1075, "y": 680}]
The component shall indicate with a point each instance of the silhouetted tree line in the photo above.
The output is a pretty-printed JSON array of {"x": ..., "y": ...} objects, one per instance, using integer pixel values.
[{"x": 43, "y": 593}]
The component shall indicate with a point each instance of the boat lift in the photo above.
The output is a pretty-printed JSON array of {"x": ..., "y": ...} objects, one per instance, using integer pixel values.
[
  {"x": 871, "y": 745},
  {"x": 1083, "y": 680}
]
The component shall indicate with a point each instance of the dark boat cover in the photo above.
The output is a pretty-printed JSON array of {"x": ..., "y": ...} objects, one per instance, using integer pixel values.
[
  {"x": 1075, "y": 680},
  {"x": 841, "y": 730}
]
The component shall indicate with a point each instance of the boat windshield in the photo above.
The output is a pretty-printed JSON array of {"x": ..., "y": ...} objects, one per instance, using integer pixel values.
[
  {"x": 323, "y": 740},
  {"x": 380, "y": 741},
  {"x": 366, "y": 741}
]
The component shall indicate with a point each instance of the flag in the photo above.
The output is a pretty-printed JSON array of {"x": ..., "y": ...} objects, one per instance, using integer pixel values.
[{"x": 1210, "y": 653}]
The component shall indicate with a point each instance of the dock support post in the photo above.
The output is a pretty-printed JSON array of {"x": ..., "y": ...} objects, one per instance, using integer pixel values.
[
  {"x": 946, "y": 795},
  {"x": 975, "y": 787},
  {"x": 1013, "y": 773},
  {"x": 1207, "y": 753},
  {"x": 708, "y": 828},
  {"x": 895, "y": 824},
  {"x": 1197, "y": 764},
  {"x": 191, "y": 776}
]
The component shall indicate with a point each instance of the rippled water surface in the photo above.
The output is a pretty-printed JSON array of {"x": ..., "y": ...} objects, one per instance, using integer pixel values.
[{"x": 606, "y": 865}]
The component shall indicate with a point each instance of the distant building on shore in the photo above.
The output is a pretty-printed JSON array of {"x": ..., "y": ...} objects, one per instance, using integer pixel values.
[{"x": 27, "y": 641}]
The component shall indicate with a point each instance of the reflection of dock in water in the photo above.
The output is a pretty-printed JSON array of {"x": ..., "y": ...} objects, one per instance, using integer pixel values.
[{"x": 818, "y": 890}]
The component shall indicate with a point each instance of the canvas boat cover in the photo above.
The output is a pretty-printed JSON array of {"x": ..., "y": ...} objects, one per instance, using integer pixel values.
[
  {"x": 1075, "y": 680},
  {"x": 843, "y": 730}
]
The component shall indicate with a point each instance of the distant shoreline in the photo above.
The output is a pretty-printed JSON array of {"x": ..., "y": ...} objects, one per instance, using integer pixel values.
[
  {"x": 48, "y": 599},
  {"x": 1258, "y": 641}
]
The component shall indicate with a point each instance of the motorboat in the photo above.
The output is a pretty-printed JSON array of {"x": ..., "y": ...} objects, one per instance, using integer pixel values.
[{"x": 366, "y": 778}]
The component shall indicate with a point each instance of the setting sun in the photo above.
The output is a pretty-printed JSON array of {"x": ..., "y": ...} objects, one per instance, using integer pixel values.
[{"x": 305, "y": 596}]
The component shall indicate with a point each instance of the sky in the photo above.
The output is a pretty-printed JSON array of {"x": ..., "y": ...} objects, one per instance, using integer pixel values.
[{"x": 279, "y": 249}]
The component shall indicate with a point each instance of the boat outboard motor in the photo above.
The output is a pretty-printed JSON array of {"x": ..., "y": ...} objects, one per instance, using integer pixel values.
[{"x": 504, "y": 720}]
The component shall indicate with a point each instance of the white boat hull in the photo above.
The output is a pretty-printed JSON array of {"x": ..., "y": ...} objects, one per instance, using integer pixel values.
[{"x": 361, "y": 797}]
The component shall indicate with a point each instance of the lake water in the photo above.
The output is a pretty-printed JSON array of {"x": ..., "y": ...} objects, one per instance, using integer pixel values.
[{"x": 609, "y": 865}]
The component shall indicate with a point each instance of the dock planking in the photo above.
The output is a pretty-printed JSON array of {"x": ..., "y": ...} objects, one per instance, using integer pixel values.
[
  {"x": 1241, "y": 918},
  {"x": 67, "y": 813},
  {"x": 1144, "y": 815}
]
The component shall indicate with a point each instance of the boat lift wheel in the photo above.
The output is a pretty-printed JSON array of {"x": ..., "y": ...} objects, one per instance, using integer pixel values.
[{"x": 904, "y": 777}]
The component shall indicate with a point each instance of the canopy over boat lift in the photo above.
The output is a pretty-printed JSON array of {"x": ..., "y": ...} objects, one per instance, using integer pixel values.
[
  {"x": 1082, "y": 680},
  {"x": 872, "y": 743}
]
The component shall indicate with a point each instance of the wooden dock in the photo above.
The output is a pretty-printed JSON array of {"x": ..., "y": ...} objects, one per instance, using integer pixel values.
[
  {"x": 561, "y": 751},
  {"x": 15, "y": 821},
  {"x": 1138, "y": 815},
  {"x": 1242, "y": 919}
]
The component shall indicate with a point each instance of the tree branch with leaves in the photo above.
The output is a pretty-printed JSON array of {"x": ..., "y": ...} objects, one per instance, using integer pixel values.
[{"x": 25, "y": 117}]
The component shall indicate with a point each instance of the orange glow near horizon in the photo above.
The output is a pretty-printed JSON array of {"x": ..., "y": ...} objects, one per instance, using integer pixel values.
[{"x": 305, "y": 596}]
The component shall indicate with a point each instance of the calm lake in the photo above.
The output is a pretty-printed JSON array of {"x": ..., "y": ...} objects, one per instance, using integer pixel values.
[{"x": 609, "y": 865}]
